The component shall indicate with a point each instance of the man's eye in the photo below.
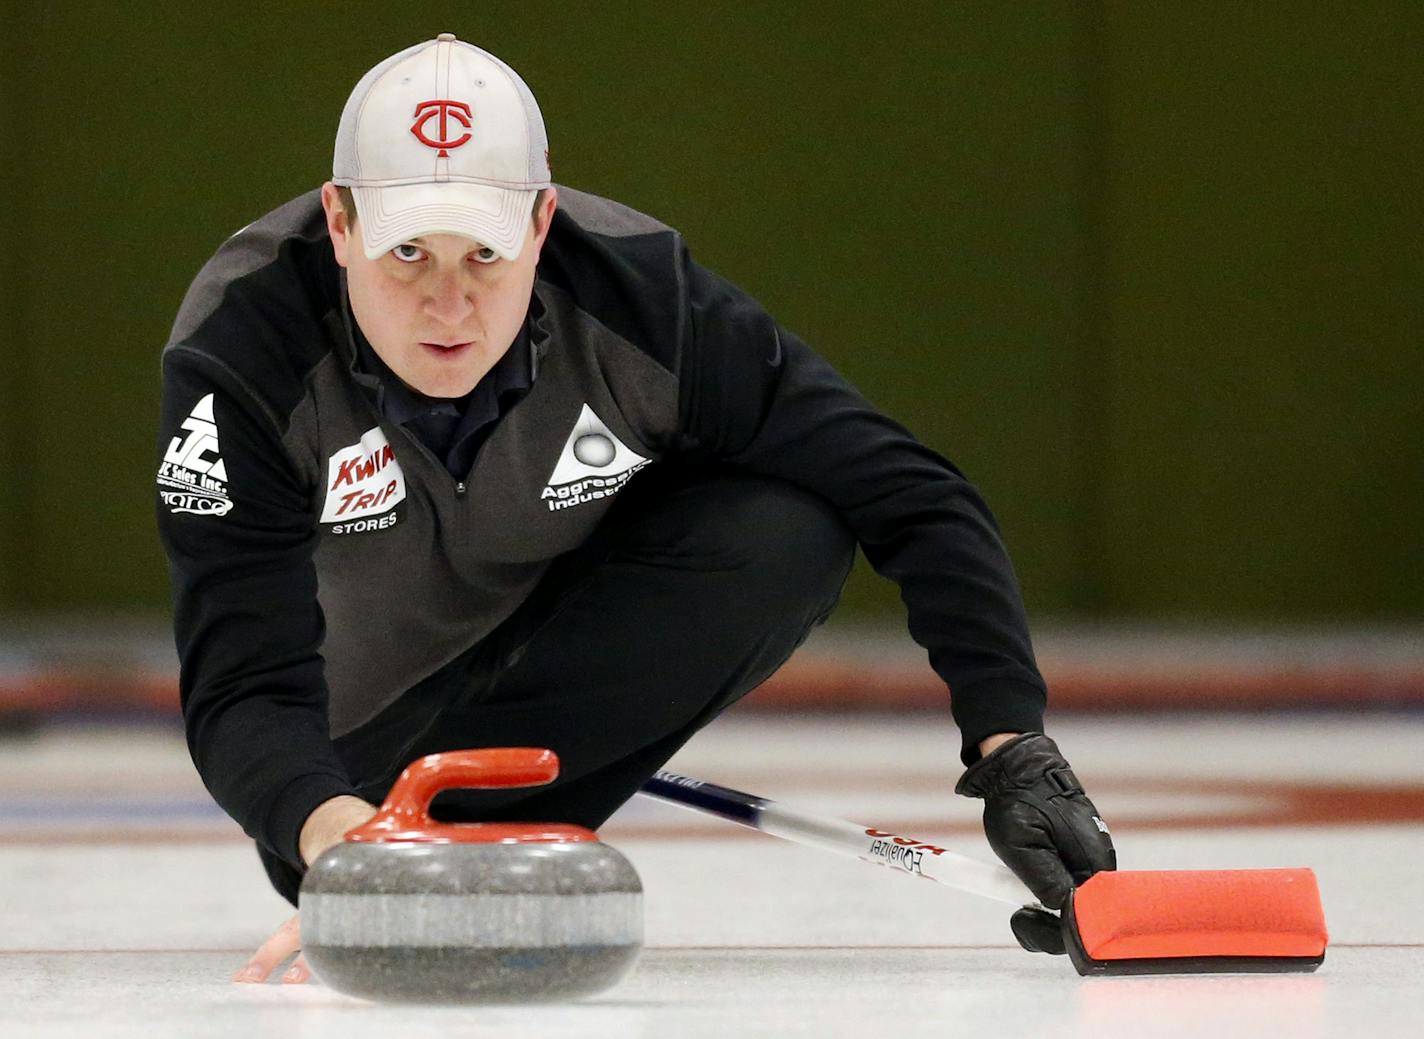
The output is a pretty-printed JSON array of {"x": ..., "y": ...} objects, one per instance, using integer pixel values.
[
  {"x": 484, "y": 254},
  {"x": 407, "y": 253}
]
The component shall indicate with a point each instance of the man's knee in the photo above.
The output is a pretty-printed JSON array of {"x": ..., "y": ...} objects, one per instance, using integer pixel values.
[
  {"x": 797, "y": 540},
  {"x": 785, "y": 545}
]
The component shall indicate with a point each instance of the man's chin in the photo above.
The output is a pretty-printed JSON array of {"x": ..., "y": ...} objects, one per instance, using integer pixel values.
[
  {"x": 445, "y": 383},
  {"x": 446, "y": 390}
]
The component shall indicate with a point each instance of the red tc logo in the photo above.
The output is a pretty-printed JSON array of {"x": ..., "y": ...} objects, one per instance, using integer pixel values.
[{"x": 446, "y": 110}]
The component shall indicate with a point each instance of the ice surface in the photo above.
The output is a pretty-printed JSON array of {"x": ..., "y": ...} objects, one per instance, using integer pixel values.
[{"x": 128, "y": 901}]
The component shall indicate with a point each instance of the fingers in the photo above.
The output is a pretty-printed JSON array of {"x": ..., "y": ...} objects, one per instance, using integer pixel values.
[
  {"x": 1052, "y": 844},
  {"x": 1023, "y": 840},
  {"x": 299, "y": 973},
  {"x": 271, "y": 953},
  {"x": 1082, "y": 838},
  {"x": 1038, "y": 930},
  {"x": 1042, "y": 872}
]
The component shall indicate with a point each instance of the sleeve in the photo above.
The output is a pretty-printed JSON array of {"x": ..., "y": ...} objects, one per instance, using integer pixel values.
[
  {"x": 757, "y": 396},
  {"x": 235, "y": 523}
]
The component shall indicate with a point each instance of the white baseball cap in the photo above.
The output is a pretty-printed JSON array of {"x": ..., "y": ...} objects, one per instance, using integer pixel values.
[{"x": 442, "y": 137}]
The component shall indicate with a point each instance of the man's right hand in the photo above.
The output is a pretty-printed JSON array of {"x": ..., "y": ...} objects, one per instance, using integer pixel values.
[
  {"x": 325, "y": 827},
  {"x": 328, "y": 823},
  {"x": 271, "y": 953}
]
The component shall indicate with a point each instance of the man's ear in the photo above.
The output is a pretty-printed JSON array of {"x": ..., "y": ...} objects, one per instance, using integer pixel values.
[
  {"x": 544, "y": 218},
  {"x": 338, "y": 223}
]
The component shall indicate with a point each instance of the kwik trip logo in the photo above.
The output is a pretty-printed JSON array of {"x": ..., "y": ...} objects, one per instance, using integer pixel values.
[
  {"x": 594, "y": 464},
  {"x": 447, "y": 112},
  {"x": 192, "y": 477},
  {"x": 364, "y": 483}
]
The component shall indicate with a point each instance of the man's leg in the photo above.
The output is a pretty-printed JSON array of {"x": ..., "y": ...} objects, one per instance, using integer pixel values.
[
  {"x": 698, "y": 585},
  {"x": 696, "y": 589}
]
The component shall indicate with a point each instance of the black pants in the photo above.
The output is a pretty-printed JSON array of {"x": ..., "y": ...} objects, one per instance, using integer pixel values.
[{"x": 695, "y": 588}]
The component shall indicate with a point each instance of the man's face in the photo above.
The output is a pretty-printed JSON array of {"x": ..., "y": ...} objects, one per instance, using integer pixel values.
[{"x": 441, "y": 309}]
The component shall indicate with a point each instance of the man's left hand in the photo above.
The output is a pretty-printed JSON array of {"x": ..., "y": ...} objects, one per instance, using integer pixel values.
[{"x": 1041, "y": 824}]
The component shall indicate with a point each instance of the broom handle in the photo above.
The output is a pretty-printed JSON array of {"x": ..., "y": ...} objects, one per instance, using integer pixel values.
[{"x": 918, "y": 858}]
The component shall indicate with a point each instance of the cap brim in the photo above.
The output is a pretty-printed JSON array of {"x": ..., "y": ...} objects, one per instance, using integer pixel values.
[{"x": 496, "y": 217}]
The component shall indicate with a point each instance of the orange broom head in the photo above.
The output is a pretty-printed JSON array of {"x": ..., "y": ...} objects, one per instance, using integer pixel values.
[{"x": 1170, "y": 921}]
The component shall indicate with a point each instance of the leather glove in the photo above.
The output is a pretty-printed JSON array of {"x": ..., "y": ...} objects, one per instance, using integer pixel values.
[{"x": 1042, "y": 825}]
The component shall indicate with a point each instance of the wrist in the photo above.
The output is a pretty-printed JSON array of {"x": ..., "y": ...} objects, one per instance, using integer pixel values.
[
  {"x": 989, "y": 744},
  {"x": 328, "y": 823}
]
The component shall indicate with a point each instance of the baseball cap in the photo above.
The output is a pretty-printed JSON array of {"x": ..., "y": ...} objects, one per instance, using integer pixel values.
[{"x": 442, "y": 137}]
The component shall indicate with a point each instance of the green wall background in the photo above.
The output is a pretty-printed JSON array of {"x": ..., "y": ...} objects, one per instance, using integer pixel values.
[{"x": 1150, "y": 273}]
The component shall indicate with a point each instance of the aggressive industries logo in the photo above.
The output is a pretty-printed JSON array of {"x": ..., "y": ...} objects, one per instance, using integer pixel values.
[
  {"x": 363, "y": 480},
  {"x": 192, "y": 477},
  {"x": 593, "y": 464}
]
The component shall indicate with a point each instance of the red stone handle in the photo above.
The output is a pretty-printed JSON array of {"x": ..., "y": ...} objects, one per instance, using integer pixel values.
[{"x": 405, "y": 816}]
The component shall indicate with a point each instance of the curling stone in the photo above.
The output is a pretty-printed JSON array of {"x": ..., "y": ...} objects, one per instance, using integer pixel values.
[{"x": 408, "y": 909}]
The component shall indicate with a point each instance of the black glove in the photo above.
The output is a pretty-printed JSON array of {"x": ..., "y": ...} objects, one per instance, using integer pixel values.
[{"x": 1042, "y": 825}]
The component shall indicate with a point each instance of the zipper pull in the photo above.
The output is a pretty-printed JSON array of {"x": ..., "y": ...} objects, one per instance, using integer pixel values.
[{"x": 460, "y": 489}]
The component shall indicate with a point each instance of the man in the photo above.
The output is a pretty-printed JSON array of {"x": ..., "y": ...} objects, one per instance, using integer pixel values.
[{"x": 451, "y": 457}]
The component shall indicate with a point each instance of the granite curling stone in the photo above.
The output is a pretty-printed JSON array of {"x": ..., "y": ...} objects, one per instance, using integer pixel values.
[{"x": 408, "y": 909}]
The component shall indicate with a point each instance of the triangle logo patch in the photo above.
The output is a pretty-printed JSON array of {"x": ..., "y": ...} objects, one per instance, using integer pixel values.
[
  {"x": 593, "y": 464},
  {"x": 192, "y": 477}
]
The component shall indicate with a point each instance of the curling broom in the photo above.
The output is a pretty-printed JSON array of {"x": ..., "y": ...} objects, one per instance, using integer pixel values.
[{"x": 1118, "y": 922}]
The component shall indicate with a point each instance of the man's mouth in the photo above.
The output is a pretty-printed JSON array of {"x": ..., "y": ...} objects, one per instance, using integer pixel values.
[{"x": 447, "y": 349}]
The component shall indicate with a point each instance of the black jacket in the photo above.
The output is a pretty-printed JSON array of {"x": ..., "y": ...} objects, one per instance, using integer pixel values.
[{"x": 324, "y": 561}]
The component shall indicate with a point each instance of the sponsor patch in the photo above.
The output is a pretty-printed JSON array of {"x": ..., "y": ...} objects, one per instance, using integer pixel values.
[
  {"x": 192, "y": 478},
  {"x": 362, "y": 480},
  {"x": 593, "y": 464}
]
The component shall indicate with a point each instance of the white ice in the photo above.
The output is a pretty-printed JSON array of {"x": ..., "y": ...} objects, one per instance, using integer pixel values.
[{"x": 128, "y": 900}]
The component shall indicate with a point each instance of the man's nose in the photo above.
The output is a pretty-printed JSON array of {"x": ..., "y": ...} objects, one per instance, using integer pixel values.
[{"x": 450, "y": 300}]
